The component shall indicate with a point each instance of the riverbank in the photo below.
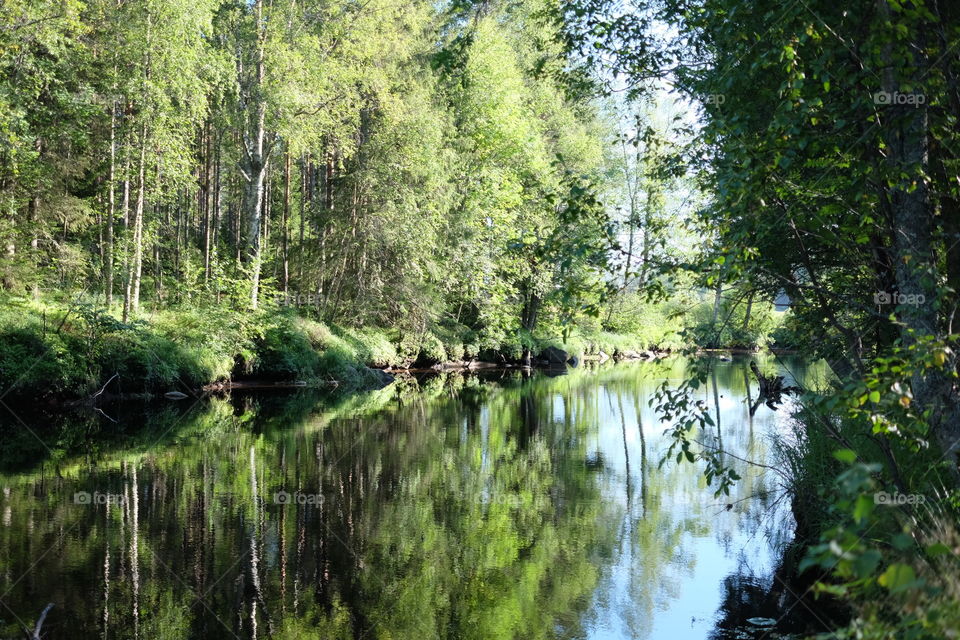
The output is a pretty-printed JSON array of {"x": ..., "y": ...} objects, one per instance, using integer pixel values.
[{"x": 56, "y": 352}]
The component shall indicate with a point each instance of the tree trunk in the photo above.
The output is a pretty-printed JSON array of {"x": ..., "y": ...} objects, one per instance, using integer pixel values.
[
  {"x": 255, "y": 169},
  {"x": 125, "y": 209},
  {"x": 715, "y": 338},
  {"x": 284, "y": 238},
  {"x": 131, "y": 299},
  {"x": 217, "y": 204},
  {"x": 906, "y": 131},
  {"x": 255, "y": 160},
  {"x": 111, "y": 210},
  {"x": 746, "y": 315},
  {"x": 208, "y": 199},
  {"x": 303, "y": 216}
]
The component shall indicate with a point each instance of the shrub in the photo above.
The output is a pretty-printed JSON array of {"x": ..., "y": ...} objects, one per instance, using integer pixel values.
[
  {"x": 286, "y": 352},
  {"x": 455, "y": 351},
  {"x": 431, "y": 350},
  {"x": 371, "y": 346},
  {"x": 38, "y": 364}
]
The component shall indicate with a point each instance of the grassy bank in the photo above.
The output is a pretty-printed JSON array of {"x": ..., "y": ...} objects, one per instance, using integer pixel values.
[
  {"x": 54, "y": 349},
  {"x": 69, "y": 349},
  {"x": 58, "y": 347}
]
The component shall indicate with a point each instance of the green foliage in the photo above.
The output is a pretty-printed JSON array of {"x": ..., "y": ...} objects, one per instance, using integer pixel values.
[
  {"x": 399, "y": 193},
  {"x": 63, "y": 351},
  {"x": 285, "y": 351},
  {"x": 689, "y": 419},
  {"x": 827, "y": 149},
  {"x": 732, "y": 328},
  {"x": 431, "y": 350},
  {"x": 56, "y": 368}
]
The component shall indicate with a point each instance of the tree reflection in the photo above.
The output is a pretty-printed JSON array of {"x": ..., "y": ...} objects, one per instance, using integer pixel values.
[{"x": 448, "y": 507}]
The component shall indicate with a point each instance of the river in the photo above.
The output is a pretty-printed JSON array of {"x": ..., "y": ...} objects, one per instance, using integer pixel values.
[{"x": 502, "y": 505}]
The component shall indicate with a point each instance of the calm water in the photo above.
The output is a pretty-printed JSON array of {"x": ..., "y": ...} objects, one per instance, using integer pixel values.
[{"x": 501, "y": 506}]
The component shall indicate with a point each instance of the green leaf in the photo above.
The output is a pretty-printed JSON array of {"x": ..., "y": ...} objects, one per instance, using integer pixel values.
[
  {"x": 901, "y": 542},
  {"x": 808, "y": 562},
  {"x": 847, "y": 456},
  {"x": 863, "y": 507},
  {"x": 897, "y": 577},
  {"x": 938, "y": 549},
  {"x": 866, "y": 564}
]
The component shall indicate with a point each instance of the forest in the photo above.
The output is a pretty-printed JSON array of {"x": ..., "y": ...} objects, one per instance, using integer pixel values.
[
  {"x": 336, "y": 193},
  {"x": 207, "y": 168}
]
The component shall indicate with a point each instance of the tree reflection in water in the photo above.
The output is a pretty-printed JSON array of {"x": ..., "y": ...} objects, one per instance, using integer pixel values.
[{"x": 503, "y": 506}]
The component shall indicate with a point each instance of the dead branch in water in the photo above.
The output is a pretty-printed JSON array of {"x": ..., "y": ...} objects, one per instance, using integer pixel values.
[
  {"x": 35, "y": 634},
  {"x": 771, "y": 389}
]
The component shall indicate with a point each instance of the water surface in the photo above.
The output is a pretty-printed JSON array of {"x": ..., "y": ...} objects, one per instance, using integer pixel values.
[{"x": 497, "y": 506}]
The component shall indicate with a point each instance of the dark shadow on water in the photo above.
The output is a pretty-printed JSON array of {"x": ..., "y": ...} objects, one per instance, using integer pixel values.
[{"x": 757, "y": 607}]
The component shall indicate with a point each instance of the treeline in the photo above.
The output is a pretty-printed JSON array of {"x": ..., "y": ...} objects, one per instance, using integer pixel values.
[{"x": 400, "y": 163}]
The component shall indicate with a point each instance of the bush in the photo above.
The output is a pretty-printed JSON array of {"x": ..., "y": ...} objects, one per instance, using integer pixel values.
[
  {"x": 431, "y": 350},
  {"x": 730, "y": 331},
  {"x": 375, "y": 348},
  {"x": 38, "y": 364},
  {"x": 343, "y": 353},
  {"x": 455, "y": 351},
  {"x": 787, "y": 334},
  {"x": 285, "y": 352}
]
